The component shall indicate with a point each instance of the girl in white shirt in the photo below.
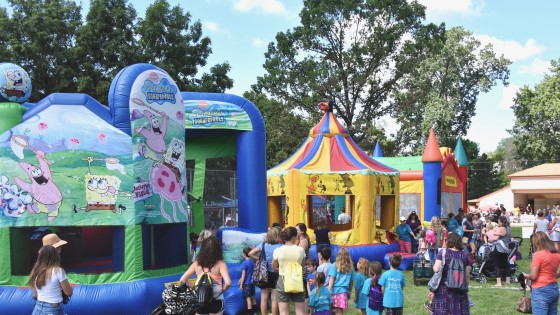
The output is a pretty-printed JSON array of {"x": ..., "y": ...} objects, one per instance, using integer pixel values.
[{"x": 48, "y": 281}]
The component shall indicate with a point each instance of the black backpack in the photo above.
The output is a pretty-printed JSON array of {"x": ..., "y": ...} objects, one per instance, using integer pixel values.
[
  {"x": 456, "y": 275},
  {"x": 204, "y": 289}
]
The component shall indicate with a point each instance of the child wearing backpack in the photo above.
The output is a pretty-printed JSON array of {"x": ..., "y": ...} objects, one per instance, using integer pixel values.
[
  {"x": 373, "y": 290},
  {"x": 361, "y": 300},
  {"x": 340, "y": 283},
  {"x": 451, "y": 296},
  {"x": 320, "y": 298},
  {"x": 245, "y": 282},
  {"x": 393, "y": 283}
]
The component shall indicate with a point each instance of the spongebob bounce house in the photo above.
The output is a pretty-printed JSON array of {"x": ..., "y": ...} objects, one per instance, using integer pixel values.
[
  {"x": 433, "y": 184},
  {"x": 111, "y": 181},
  {"x": 330, "y": 178}
]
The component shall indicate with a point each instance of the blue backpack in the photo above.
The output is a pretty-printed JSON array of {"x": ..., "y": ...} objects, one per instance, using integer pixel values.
[{"x": 375, "y": 297}]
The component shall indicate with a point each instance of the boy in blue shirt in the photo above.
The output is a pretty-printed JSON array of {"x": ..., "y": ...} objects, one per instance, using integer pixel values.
[
  {"x": 246, "y": 282},
  {"x": 311, "y": 270},
  {"x": 393, "y": 283}
]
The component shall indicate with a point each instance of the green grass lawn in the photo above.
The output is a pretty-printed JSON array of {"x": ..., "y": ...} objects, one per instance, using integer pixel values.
[{"x": 487, "y": 299}]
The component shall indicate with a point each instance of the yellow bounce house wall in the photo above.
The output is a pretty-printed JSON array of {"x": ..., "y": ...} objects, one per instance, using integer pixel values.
[
  {"x": 415, "y": 187},
  {"x": 361, "y": 192}
]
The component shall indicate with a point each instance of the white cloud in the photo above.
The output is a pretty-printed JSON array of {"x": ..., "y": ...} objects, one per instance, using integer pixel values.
[
  {"x": 446, "y": 7},
  {"x": 264, "y": 6},
  {"x": 213, "y": 27},
  {"x": 536, "y": 67},
  {"x": 508, "y": 94},
  {"x": 258, "y": 42},
  {"x": 511, "y": 49}
]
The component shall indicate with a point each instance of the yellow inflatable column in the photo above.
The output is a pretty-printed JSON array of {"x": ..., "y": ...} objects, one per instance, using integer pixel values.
[
  {"x": 366, "y": 223},
  {"x": 293, "y": 198}
]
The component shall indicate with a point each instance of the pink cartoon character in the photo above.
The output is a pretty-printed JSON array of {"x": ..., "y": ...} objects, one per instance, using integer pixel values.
[
  {"x": 42, "y": 188},
  {"x": 155, "y": 143},
  {"x": 165, "y": 183}
]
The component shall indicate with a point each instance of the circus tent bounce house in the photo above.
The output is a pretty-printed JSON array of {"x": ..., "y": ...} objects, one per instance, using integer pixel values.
[
  {"x": 111, "y": 181},
  {"x": 329, "y": 173},
  {"x": 433, "y": 184}
]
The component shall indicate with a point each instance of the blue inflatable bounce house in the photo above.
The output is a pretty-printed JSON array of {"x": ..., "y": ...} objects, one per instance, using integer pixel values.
[{"x": 111, "y": 181}]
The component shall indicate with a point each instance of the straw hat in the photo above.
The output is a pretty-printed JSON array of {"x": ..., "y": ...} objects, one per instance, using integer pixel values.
[{"x": 53, "y": 240}]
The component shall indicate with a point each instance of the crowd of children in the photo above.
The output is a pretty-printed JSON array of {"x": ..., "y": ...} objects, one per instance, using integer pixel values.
[{"x": 329, "y": 285}]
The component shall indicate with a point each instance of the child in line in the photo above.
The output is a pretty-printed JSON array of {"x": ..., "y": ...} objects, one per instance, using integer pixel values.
[
  {"x": 360, "y": 300},
  {"x": 325, "y": 263},
  {"x": 311, "y": 272},
  {"x": 393, "y": 283},
  {"x": 422, "y": 245},
  {"x": 340, "y": 283},
  {"x": 320, "y": 298},
  {"x": 373, "y": 290},
  {"x": 194, "y": 242},
  {"x": 246, "y": 282}
]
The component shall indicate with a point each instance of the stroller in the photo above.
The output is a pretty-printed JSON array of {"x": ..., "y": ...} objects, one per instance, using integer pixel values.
[{"x": 483, "y": 268}]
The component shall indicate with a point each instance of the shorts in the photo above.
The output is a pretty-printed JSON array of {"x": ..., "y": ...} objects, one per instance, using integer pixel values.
[
  {"x": 216, "y": 306},
  {"x": 393, "y": 311},
  {"x": 272, "y": 279},
  {"x": 248, "y": 290},
  {"x": 340, "y": 300},
  {"x": 284, "y": 297}
]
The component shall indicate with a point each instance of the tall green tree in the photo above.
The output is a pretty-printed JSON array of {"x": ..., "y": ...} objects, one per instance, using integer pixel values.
[
  {"x": 442, "y": 90},
  {"x": 536, "y": 131},
  {"x": 168, "y": 39},
  {"x": 484, "y": 177},
  {"x": 39, "y": 36},
  {"x": 107, "y": 44},
  {"x": 285, "y": 130},
  {"x": 350, "y": 51},
  {"x": 506, "y": 157}
]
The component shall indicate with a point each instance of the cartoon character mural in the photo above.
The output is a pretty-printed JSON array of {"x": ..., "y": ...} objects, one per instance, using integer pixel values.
[
  {"x": 14, "y": 201},
  {"x": 102, "y": 190},
  {"x": 174, "y": 158},
  {"x": 154, "y": 134},
  {"x": 16, "y": 85},
  {"x": 159, "y": 131},
  {"x": 45, "y": 192}
]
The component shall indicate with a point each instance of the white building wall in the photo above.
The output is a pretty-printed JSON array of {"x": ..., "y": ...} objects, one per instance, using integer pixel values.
[
  {"x": 537, "y": 184},
  {"x": 504, "y": 197}
]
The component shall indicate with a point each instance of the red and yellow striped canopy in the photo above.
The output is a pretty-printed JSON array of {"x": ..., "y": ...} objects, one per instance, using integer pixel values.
[{"x": 328, "y": 149}]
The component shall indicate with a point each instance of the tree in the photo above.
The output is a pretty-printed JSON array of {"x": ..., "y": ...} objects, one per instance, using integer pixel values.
[
  {"x": 63, "y": 54},
  {"x": 39, "y": 36},
  {"x": 352, "y": 52},
  {"x": 484, "y": 177},
  {"x": 506, "y": 156},
  {"x": 285, "y": 131},
  {"x": 107, "y": 43},
  {"x": 442, "y": 90},
  {"x": 168, "y": 40},
  {"x": 536, "y": 130}
]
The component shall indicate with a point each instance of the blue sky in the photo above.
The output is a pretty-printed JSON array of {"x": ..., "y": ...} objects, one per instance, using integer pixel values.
[{"x": 526, "y": 32}]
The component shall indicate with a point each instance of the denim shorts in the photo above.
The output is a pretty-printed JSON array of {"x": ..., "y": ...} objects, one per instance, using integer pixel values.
[{"x": 45, "y": 308}]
